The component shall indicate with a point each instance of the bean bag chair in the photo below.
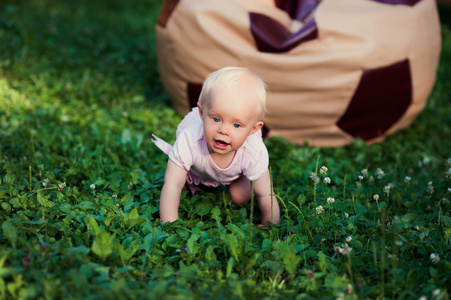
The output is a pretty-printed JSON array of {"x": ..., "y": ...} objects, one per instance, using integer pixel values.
[{"x": 337, "y": 70}]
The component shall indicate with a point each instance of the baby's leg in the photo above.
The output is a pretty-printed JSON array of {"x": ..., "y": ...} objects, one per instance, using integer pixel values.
[{"x": 240, "y": 190}]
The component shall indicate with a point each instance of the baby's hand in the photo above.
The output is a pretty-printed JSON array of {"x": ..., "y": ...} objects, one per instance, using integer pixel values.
[{"x": 264, "y": 226}]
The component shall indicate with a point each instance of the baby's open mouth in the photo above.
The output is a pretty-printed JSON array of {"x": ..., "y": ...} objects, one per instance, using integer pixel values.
[{"x": 221, "y": 144}]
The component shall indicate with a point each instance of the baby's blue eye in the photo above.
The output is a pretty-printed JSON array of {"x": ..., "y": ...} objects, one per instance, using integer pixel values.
[
  {"x": 237, "y": 125},
  {"x": 216, "y": 120}
]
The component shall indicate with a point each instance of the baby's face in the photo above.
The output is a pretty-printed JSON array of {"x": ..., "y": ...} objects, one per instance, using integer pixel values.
[{"x": 230, "y": 115}]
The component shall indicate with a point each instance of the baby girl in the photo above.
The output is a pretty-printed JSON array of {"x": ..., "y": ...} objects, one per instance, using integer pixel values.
[{"x": 220, "y": 142}]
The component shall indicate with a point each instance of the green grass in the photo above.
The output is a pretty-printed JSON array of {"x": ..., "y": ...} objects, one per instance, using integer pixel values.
[{"x": 79, "y": 97}]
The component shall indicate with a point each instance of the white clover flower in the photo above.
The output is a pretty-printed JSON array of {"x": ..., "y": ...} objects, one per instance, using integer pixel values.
[
  {"x": 430, "y": 187},
  {"x": 435, "y": 258},
  {"x": 436, "y": 292},
  {"x": 92, "y": 186},
  {"x": 345, "y": 250},
  {"x": 349, "y": 239},
  {"x": 449, "y": 190},
  {"x": 387, "y": 188},
  {"x": 323, "y": 170},
  {"x": 365, "y": 172},
  {"x": 327, "y": 180},
  {"x": 320, "y": 209},
  {"x": 314, "y": 177},
  {"x": 358, "y": 184},
  {"x": 426, "y": 161},
  {"x": 349, "y": 289},
  {"x": 114, "y": 196},
  {"x": 376, "y": 197},
  {"x": 330, "y": 200},
  {"x": 46, "y": 182},
  {"x": 361, "y": 177},
  {"x": 346, "y": 215},
  {"x": 407, "y": 179},
  {"x": 379, "y": 173},
  {"x": 64, "y": 118},
  {"x": 423, "y": 298},
  {"x": 61, "y": 186},
  {"x": 392, "y": 256}
]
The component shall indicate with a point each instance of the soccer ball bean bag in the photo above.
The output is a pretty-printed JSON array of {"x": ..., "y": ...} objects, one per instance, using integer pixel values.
[{"x": 337, "y": 70}]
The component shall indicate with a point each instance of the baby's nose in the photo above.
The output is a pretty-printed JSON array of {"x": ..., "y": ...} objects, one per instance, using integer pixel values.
[{"x": 223, "y": 130}]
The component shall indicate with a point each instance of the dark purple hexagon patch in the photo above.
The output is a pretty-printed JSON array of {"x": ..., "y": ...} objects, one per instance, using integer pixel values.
[
  {"x": 398, "y": 2},
  {"x": 193, "y": 92},
  {"x": 297, "y": 9},
  {"x": 166, "y": 11},
  {"x": 271, "y": 36},
  {"x": 381, "y": 99}
]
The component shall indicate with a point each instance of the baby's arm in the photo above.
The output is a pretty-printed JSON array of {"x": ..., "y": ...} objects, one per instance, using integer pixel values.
[
  {"x": 174, "y": 181},
  {"x": 263, "y": 192}
]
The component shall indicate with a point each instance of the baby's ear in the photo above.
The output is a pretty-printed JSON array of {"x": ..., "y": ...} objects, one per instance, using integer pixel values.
[
  {"x": 200, "y": 109},
  {"x": 257, "y": 127}
]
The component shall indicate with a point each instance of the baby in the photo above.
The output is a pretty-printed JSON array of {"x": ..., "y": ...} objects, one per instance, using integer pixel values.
[{"x": 220, "y": 142}]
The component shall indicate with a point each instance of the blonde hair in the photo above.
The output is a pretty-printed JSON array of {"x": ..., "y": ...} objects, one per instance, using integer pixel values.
[{"x": 230, "y": 76}]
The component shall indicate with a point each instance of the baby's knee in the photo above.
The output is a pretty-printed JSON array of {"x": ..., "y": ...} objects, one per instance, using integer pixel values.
[
  {"x": 240, "y": 191},
  {"x": 239, "y": 198}
]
